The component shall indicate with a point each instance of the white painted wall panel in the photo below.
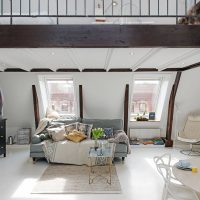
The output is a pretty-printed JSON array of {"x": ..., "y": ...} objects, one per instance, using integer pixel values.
[
  {"x": 187, "y": 99},
  {"x": 142, "y": 133},
  {"x": 103, "y": 97}
]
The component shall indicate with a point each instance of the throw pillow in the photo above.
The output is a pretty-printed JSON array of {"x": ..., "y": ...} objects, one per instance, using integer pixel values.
[
  {"x": 76, "y": 136},
  {"x": 69, "y": 128},
  {"x": 108, "y": 132},
  {"x": 85, "y": 128},
  {"x": 44, "y": 135},
  {"x": 57, "y": 134},
  {"x": 52, "y": 114}
]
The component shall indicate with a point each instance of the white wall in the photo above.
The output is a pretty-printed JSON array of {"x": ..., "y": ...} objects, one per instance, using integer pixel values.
[
  {"x": 187, "y": 99},
  {"x": 18, "y": 103},
  {"x": 103, "y": 97}
]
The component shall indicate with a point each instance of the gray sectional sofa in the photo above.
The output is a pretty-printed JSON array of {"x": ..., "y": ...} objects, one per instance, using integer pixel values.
[{"x": 121, "y": 149}]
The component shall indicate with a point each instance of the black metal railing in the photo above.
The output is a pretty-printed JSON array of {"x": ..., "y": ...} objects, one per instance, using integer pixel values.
[{"x": 96, "y": 8}]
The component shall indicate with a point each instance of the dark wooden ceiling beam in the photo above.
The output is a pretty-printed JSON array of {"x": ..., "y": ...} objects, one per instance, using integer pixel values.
[
  {"x": 146, "y": 70},
  {"x": 120, "y": 70},
  {"x": 169, "y": 141},
  {"x": 36, "y": 106},
  {"x": 126, "y": 103},
  {"x": 94, "y": 36},
  {"x": 41, "y": 70},
  {"x": 81, "y": 101},
  {"x": 67, "y": 70},
  {"x": 94, "y": 70},
  {"x": 172, "y": 69},
  {"x": 14, "y": 70},
  {"x": 195, "y": 65}
]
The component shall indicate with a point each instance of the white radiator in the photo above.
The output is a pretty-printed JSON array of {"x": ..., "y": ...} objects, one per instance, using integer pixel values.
[{"x": 144, "y": 133}]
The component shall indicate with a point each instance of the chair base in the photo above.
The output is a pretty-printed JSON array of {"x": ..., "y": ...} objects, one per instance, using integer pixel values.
[{"x": 190, "y": 152}]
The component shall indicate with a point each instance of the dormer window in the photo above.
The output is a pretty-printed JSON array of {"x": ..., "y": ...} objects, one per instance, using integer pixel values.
[
  {"x": 147, "y": 97},
  {"x": 58, "y": 93}
]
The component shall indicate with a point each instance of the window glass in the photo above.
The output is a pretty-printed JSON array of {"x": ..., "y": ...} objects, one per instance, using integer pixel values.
[
  {"x": 145, "y": 96},
  {"x": 60, "y": 94}
]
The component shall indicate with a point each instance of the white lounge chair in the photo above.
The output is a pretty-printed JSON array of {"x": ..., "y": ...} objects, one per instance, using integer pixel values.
[{"x": 191, "y": 135}]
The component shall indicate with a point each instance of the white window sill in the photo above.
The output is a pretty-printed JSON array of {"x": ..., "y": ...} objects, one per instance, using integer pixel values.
[{"x": 145, "y": 121}]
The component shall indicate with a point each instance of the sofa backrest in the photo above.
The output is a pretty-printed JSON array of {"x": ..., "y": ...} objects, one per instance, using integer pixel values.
[
  {"x": 65, "y": 121},
  {"x": 116, "y": 124}
]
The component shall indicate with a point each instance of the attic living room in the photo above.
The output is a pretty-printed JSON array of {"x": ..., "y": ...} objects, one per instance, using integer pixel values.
[{"x": 99, "y": 99}]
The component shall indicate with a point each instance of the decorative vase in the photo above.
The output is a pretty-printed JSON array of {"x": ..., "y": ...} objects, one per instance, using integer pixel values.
[{"x": 96, "y": 144}]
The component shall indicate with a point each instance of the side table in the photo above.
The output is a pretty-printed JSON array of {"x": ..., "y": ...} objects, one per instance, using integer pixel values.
[{"x": 100, "y": 157}]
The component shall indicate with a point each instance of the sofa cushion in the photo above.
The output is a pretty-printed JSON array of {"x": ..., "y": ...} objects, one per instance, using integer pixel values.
[
  {"x": 57, "y": 133},
  {"x": 108, "y": 132},
  {"x": 116, "y": 124},
  {"x": 64, "y": 121},
  {"x": 85, "y": 128},
  {"x": 76, "y": 136},
  {"x": 70, "y": 127}
]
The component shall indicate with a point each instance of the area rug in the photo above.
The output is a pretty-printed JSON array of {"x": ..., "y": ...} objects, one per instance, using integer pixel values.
[{"x": 61, "y": 179}]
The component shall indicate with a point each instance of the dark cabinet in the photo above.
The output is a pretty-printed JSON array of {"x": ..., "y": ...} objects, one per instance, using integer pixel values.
[{"x": 3, "y": 137}]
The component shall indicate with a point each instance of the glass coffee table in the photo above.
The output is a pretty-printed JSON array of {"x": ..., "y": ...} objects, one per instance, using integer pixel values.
[{"x": 101, "y": 158}]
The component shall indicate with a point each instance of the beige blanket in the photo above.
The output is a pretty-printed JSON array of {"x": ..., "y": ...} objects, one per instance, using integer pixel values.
[{"x": 68, "y": 152}]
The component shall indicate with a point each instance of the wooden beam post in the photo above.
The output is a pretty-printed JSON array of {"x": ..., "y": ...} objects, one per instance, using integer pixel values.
[
  {"x": 169, "y": 141},
  {"x": 126, "y": 109},
  {"x": 81, "y": 101},
  {"x": 36, "y": 106},
  {"x": 87, "y": 36}
]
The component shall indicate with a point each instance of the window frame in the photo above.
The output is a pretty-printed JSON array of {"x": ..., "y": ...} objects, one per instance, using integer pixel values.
[
  {"x": 160, "y": 98},
  {"x": 157, "y": 94},
  {"x": 43, "y": 79}
]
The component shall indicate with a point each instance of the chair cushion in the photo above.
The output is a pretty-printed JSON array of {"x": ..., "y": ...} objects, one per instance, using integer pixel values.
[{"x": 189, "y": 140}]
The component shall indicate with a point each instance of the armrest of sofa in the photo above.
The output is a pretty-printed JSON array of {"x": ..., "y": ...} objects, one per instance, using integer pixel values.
[{"x": 36, "y": 139}]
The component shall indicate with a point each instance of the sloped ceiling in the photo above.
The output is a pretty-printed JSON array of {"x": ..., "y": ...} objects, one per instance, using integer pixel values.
[{"x": 103, "y": 58}]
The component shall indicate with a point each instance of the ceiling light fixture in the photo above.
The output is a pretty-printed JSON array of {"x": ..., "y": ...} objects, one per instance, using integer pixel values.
[
  {"x": 114, "y": 3},
  {"x": 131, "y": 53},
  {"x": 52, "y": 53}
]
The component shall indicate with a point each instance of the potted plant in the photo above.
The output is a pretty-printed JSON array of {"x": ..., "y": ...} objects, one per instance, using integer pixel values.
[
  {"x": 96, "y": 134},
  {"x": 141, "y": 117}
]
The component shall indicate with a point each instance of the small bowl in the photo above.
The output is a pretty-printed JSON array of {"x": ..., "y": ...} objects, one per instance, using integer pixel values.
[{"x": 184, "y": 163}]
